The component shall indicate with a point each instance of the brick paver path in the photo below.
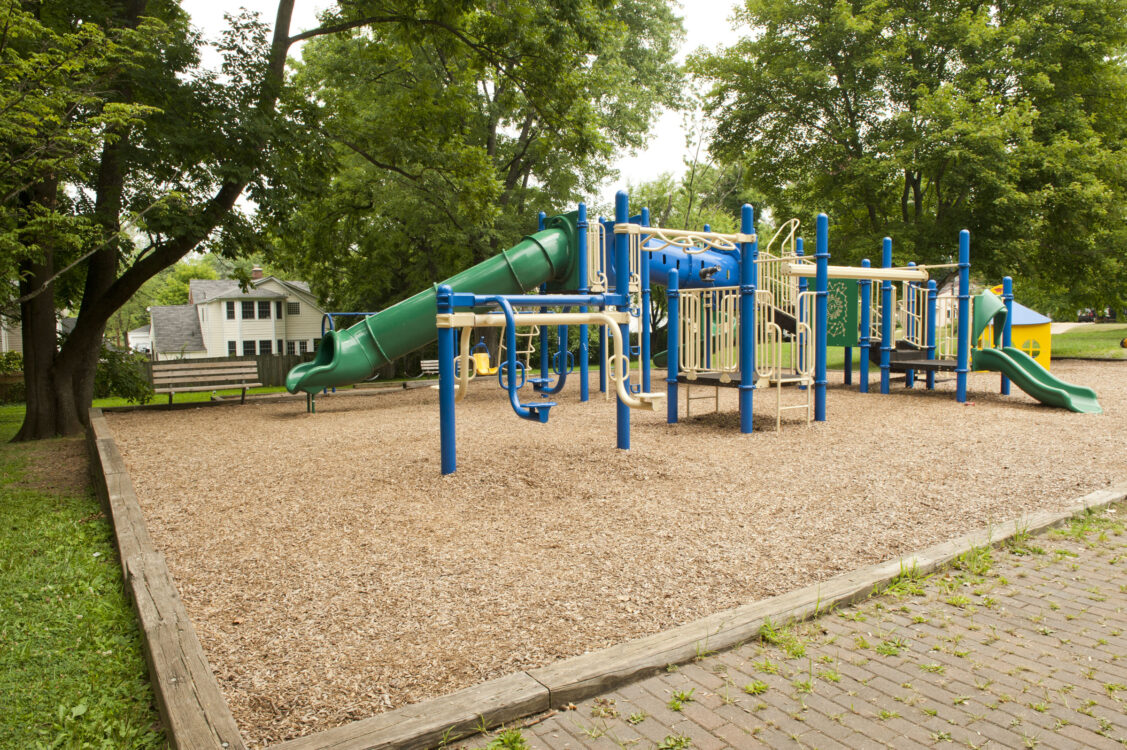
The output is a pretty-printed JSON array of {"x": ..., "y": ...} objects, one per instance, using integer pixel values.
[{"x": 1023, "y": 646}]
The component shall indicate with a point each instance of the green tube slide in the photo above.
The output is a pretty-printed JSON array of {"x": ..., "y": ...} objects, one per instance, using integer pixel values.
[
  {"x": 353, "y": 354},
  {"x": 1025, "y": 372}
]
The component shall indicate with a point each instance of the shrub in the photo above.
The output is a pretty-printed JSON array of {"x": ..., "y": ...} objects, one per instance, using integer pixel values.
[{"x": 122, "y": 374}]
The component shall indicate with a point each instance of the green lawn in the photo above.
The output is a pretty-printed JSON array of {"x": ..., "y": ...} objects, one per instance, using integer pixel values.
[
  {"x": 72, "y": 674},
  {"x": 1099, "y": 340}
]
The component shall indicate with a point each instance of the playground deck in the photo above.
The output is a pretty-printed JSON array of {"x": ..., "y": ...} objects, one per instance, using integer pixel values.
[{"x": 332, "y": 573}]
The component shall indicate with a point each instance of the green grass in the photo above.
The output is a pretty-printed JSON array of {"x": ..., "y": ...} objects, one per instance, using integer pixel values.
[
  {"x": 1099, "y": 341},
  {"x": 72, "y": 674}
]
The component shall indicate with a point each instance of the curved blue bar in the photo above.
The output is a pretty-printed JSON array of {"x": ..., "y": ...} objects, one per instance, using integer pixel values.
[{"x": 536, "y": 412}]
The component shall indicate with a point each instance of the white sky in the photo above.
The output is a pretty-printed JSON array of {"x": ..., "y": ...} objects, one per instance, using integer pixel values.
[{"x": 707, "y": 24}]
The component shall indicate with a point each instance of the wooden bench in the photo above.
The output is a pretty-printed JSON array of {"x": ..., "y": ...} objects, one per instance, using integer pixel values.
[
  {"x": 181, "y": 376},
  {"x": 428, "y": 367}
]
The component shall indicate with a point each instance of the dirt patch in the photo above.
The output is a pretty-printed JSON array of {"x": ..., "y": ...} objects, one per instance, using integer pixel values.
[
  {"x": 61, "y": 466},
  {"x": 332, "y": 573}
]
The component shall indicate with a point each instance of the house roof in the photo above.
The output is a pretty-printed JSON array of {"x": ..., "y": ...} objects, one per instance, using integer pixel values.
[
  {"x": 142, "y": 330},
  {"x": 203, "y": 290},
  {"x": 176, "y": 328},
  {"x": 1023, "y": 316}
]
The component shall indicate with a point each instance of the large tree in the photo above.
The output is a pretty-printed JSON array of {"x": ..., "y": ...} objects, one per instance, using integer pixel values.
[
  {"x": 915, "y": 118},
  {"x": 149, "y": 145},
  {"x": 432, "y": 158}
]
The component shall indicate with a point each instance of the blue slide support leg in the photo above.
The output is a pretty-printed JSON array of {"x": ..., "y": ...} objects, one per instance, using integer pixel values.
[{"x": 866, "y": 326}]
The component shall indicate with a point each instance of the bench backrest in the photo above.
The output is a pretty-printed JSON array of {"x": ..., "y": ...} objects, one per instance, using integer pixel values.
[{"x": 219, "y": 374}]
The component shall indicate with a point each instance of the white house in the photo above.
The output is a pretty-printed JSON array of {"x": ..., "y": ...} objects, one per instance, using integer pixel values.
[
  {"x": 139, "y": 339},
  {"x": 220, "y": 320}
]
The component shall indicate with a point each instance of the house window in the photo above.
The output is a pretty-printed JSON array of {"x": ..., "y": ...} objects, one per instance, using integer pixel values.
[
  {"x": 304, "y": 347},
  {"x": 316, "y": 344},
  {"x": 248, "y": 310},
  {"x": 264, "y": 309},
  {"x": 232, "y": 348},
  {"x": 291, "y": 347},
  {"x": 248, "y": 348},
  {"x": 281, "y": 346},
  {"x": 293, "y": 308},
  {"x": 230, "y": 309},
  {"x": 265, "y": 346},
  {"x": 278, "y": 313}
]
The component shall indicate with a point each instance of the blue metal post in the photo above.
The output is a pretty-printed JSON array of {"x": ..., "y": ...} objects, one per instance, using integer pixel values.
[
  {"x": 866, "y": 325},
  {"x": 672, "y": 350},
  {"x": 644, "y": 272},
  {"x": 603, "y": 329},
  {"x": 446, "y": 384},
  {"x": 748, "y": 253},
  {"x": 584, "y": 345},
  {"x": 800, "y": 312},
  {"x": 963, "y": 366},
  {"x": 931, "y": 294},
  {"x": 622, "y": 287},
  {"x": 821, "y": 287},
  {"x": 910, "y": 303},
  {"x": 1007, "y": 332},
  {"x": 885, "y": 318}
]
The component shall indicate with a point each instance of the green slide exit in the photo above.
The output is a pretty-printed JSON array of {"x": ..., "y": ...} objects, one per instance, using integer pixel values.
[
  {"x": 1027, "y": 374},
  {"x": 353, "y": 354}
]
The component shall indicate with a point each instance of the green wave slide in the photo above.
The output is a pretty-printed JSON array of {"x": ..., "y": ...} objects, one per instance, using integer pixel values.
[
  {"x": 1024, "y": 371},
  {"x": 1028, "y": 375},
  {"x": 353, "y": 354}
]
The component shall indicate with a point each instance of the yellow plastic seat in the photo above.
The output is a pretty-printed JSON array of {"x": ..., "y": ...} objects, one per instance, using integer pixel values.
[{"x": 481, "y": 364}]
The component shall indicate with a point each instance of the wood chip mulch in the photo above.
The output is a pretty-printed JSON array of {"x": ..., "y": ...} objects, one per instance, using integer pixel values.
[{"x": 332, "y": 573}]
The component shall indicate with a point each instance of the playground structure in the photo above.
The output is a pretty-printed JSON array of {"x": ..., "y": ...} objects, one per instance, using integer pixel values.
[{"x": 737, "y": 317}]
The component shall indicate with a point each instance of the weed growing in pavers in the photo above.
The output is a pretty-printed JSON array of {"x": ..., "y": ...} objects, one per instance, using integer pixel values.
[
  {"x": 1030, "y": 741},
  {"x": 674, "y": 705},
  {"x": 860, "y": 642},
  {"x": 958, "y": 600},
  {"x": 920, "y": 619},
  {"x": 885, "y": 715},
  {"x": 726, "y": 698},
  {"x": 933, "y": 668},
  {"x": 804, "y": 686},
  {"x": 854, "y": 615},
  {"x": 756, "y": 687},
  {"x": 941, "y": 736},
  {"x": 604, "y": 708},
  {"x": 891, "y": 646},
  {"x": 509, "y": 739},
  {"x": 961, "y": 699},
  {"x": 594, "y": 731},
  {"x": 675, "y": 742},
  {"x": 1113, "y": 687},
  {"x": 767, "y": 667},
  {"x": 829, "y": 675},
  {"x": 672, "y": 668},
  {"x": 685, "y": 696},
  {"x": 637, "y": 718},
  {"x": 784, "y": 637}
]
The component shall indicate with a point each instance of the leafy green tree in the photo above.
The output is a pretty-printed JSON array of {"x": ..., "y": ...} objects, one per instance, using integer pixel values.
[
  {"x": 433, "y": 158},
  {"x": 145, "y": 144},
  {"x": 915, "y": 119}
]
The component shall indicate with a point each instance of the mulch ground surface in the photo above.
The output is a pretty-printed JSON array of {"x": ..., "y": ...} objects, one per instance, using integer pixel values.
[{"x": 333, "y": 573}]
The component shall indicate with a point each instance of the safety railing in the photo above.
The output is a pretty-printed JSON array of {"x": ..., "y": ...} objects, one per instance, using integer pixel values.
[
  {"x": 947, "y": 326},
  {"x": 782, "y": 242},
  {"x": 877, "y": 314},
  {"x": 913, "y": 313},
  {"x": 709, "y": 333},
  {"x": 772, "y": 277},
  {"x": 596, "y": 257}
]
